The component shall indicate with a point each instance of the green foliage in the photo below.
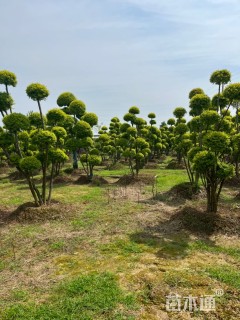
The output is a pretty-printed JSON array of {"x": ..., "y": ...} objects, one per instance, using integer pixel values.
[
  {"x": 8, "y": 78},
  {"x": 134, "y": 110},
  {"x": 59, "y": 132},
  {"x": 15, "y": 159},
  {"x": 195, "y": 91},
  {"x": 83, "y": 129},
  {"x": 152, "y": 115},
  {"x": 204, "y": 161},
  {"x": 6, "y": 139},
  {"x": 129, "y": 117},
  {"x": 16, "y": 122},
  {"x": 37, "y": 92},
  {"x": 171, "y": 122},
  {"x": 232, "y": 92},
  {"x": 220, "y": 77},
  {"x": 72, "y": 144},
  {"x": 43, "y": 138},
  {"x": 77, "y": 108},
  {"x": 55, "y": 117},
  {"x": 179, "y": 112},
  {"x": 92, "y": 159},
  {"x": 217, "y": 142},
  {"x": 57, "y": 156},
  {"x": 36, "y": 120},
  {"x": 181, "y": 128},
  {"x": 199, "y": 103},
  {"x": 6, "y": 101},
  {"x": 219, "y": 100},
  {"x": 209, "y": 117},
  {"x": 30, "y": 164},
  {"x": 65, "y": 99},
  {"x": 90, "y": 118}
]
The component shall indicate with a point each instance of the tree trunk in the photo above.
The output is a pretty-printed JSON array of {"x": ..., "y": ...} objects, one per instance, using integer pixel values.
[
  {"x": 44, "y": 182},
  {"x": 40, "y": 110},
  {"x": 50, "y": 185},
  {"x": 75, "y": 160}
]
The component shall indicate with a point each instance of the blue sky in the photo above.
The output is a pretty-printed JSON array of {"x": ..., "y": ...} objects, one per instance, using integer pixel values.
[{"x": 114, "y": 54}]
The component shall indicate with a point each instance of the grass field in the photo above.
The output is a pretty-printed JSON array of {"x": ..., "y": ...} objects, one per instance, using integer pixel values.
[{"x": 117, "y": 252}]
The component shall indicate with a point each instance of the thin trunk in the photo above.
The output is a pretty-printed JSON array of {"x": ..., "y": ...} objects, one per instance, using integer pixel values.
[
  {"x": 17, "y": 145},
  {"x": 6, "y": 86},
  {"x": 50, "y": 185},
  {"x": 237, "y": 119},
  {"x": 40, "y": 110},
  {"x": 75, "y": 160},
  {"x": 44, "y": 182},
  {"x": 218, "y": 106},
  {"x": 31, "y": 187}
]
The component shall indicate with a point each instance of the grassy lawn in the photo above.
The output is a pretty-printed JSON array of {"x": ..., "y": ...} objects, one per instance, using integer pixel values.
[{"x": 113, "y": 257}]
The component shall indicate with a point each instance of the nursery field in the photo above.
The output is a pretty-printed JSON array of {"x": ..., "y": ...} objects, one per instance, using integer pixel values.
[{"x": 117, "y": 248}]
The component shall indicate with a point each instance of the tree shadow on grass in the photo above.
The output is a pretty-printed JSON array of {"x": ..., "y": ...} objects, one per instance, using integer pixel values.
[
  {"x": 174, "y": 236},
  {"x": 177, "y": 195}
]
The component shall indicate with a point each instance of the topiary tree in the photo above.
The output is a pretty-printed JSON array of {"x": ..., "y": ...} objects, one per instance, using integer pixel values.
[
  {"x": 8, "y": 78},
  {"x": 90, "y": 118},
  {"x": 179, "y": 113},
  {"x": 6, "y": 103},
  {"x": 77, "y": 108},
  {"x": 38, "y": 92},
  {"x": 133, "y": 142},
  {"x": 212, "y": 167},
  {"x": 220, "y": 77},
  {"x": 55, "y": 117},
  {"x": 198, "y": 104},
  {"x": 31, "y": 149},
  {"x": 36, "y": 120},
  {"x": 236, "y": 152},
  {"x": 195, "y": 91},
  {"x": 65, "y": 98}
]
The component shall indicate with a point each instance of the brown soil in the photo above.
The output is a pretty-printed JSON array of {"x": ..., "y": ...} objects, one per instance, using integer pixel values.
[
  {"x": 62, "y": 179},
  {"x": 98, "y": 181},
  {"x": 232, "y": 182},
  {"x": 173, "y": 164},
  {"x": 28, "y": 212},
  {"x": 151, "y": 165},
  {"x": 16, "y": 175},
  {"x": 83, "y": 179},
  {"x": 131, "y": 180},
  {"x": 184, "y": 191}
]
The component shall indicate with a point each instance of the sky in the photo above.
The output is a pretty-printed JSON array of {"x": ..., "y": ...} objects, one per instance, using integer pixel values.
[{"x": 114, "y": 54}]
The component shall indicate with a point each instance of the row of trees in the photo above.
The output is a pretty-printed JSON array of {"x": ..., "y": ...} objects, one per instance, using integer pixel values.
[{"x": 208, "y": 144}]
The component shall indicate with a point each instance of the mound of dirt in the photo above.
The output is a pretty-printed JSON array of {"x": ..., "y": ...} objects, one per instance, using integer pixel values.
[
  {"x": 28, "y": 212},
  {"x": 232, "y": 182},
  {"x": 173, "y": 164},
  {"x": 130, "y": 180},
  {"x": 183, "y": 190},
  {"x": 62, "y": 179},
  {"x": 237, "y": 196},
  {"x": 116, "y": 166},
  {"x": 200, "y": 221},
  {"x": 73, "y": 172},
  {"x": 83, "y": 179},
  {"x": 151, "y": 165},
  {"x": 16, "y": 175},
  {"x": 98, "y": 181}
]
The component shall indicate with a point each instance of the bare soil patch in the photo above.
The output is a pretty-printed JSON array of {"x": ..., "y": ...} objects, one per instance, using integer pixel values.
[
  {"x": 62, "y": 179},
  {"x": 28, "y": 212},
  {"x": 132, "y": 180}
]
